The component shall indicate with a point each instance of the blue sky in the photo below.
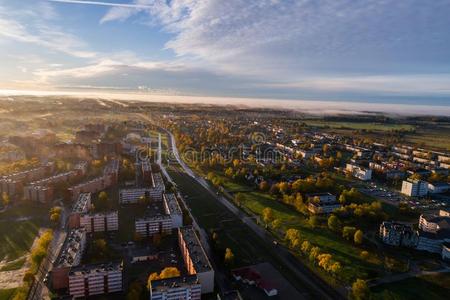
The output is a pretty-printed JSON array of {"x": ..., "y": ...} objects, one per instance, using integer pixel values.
[{"x": 349, "y": 50}]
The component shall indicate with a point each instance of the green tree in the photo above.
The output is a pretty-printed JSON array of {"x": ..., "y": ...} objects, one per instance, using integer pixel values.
[
  {"x": 334, "y": 224},
  {"x": 313, "y": 221},
  {"x": 348, "y": 232}
]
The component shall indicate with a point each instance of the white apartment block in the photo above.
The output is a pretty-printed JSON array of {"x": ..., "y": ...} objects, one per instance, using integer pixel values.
[
  {"x": 99, "y": 279},
  {"x": 414, "y": 188},
  {"x": 177, "y": 288},
  {"x": 153, "y": 224},
  {"x": 359, "y": 172},
  {"x": 131, "y": 196},
  {"x": 100, "y": 222}
]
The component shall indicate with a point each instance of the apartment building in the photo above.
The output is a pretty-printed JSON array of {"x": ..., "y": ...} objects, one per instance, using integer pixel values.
[
  {"x": 70, "y": 256},
  {"x": 13, "y": 184},
  {"x": 195, "y": 258},
  {"x": 434, "y": 231},
  {"x": 96, "y": 279},
  {"x": 359, "y": 172},
  {"x": 100, "y": 222},
  {"x": 398, "y": 234},
  {"x": 81, "y": 206},
  {"x": 414, "y": 188},
  {"x": 132, "y": 196},
  {"x": 92, "y": 186},
  {"x": 172, "y": 208},
  {"x": 186, "y": 287},
  {"x": 38, "y": 193},
  {"x": 152, "y": 224},
  {"x": 438, "y": 187}
]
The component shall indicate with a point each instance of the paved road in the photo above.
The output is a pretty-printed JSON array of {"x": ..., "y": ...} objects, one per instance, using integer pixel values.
[{"x": 302, "y": 272}]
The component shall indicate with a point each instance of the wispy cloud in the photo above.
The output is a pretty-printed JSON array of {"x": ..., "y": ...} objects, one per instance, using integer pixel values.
[
  {"x": 123, "y": 5},
  {"x": 34, "y": 28}
]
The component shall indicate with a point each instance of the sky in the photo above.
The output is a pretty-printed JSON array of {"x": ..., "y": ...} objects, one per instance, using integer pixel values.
[{"x": 383, "y": 51}]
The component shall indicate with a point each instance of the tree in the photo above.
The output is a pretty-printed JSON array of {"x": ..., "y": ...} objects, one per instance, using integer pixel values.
[
  {"x": 313, "y": 221},
  {"x": 342, "y": 199},
  {"x": 333, "y": 223},
  {"x": 306, "y": 246},
  {"x": 360, "y": 290},
  {"x": 348, "y": 232},
  {"x": 267, "y": 214},
  {"x": 229, "y": 257},
  {"x": 276, "y": 223},
  {"x": 169, "y": 272},
  {"x": 5, "y": 199},
  {"x": 102, "y": 203},
  {"x": 55, "y": 217},
  {"x": 358, "y": 237},
  {"x": 264, "y": 186},
  {"x": 239, "y": 198}
]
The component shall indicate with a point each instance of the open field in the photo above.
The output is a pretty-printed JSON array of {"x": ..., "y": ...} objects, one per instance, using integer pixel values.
[
  {"x": 358, "y": 125},
  {"x": 16, "y": 240},
  {"x": 429, "y": 287},
  {"x": 7, "y": 294}
]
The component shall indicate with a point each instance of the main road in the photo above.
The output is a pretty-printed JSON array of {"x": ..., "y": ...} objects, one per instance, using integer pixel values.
[{"x": 320, "y": 287}]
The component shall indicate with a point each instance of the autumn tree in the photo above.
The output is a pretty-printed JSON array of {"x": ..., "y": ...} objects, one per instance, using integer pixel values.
[
  {"x": 360, "y": 290},
  {"x": 239, "y": 198},
  {"x": 267, "y": 214},
  {"x": 102, "y": 203},
  {"x": 348, "y": 232},
  {"x": 358, "y": 237},
  {"x": 5, "y": 199},
  {"x": 229, "y": 257}
]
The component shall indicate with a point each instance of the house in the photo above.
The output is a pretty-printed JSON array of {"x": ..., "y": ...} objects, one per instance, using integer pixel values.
[{"x": 322, "y": 203}]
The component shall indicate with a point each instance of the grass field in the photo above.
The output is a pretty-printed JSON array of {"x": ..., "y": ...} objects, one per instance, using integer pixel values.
[
  {"x": 428, "y": 287},
  {"x": 14, "y": 265},
  {"x": 16, "y": 240},
  {"x": 7, "y": 294},
  {"x": 359, "y": 125}
]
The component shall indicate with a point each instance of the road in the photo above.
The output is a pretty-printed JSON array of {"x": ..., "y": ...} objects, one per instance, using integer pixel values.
[
  {"x": 38, "y": 289},
  {"x": 284, "y": 255}
]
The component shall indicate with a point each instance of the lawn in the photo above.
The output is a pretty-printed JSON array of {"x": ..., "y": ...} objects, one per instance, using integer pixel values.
[
  {"x": 427, "y": 287},
  {"x": 14, "y": 265},
  {"x": 16, "y": 240},
  {"x": 7, "y": 294}
]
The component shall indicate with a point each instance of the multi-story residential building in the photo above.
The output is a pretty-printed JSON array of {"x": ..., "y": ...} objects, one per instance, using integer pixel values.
[
  {"x": 70, "y": 255},
  {"x": 434, "y": 231},
  {"x": 81, "y": 206},
  {"x": 172, "y": 208},
  {"x": 38, "y": 193},
  {"x": 195, "y": 258},
  {"x": 132, "y": 196},
  {"x": 100, "y": 221},
  {"x": 398, "y": 234},
  {"x": 146, "y": 171},
  {"x": 414, "y": 188},
  {"x": 438, "y": 187},
  {"x": 153, "y": 223},
  {"x": 359, "y": 172},
  {"x": 92, "y": 186},
  {"x": 96, "y": 279},
  {"x": 13, "y": 184},
  {"x": 187, "y": 287}
]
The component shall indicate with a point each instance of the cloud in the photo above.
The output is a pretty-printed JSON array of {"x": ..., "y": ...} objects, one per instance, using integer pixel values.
[
  {"x": 271, "y": 38},
  {"x": 101, "y": 3},
  {"x": 32, "y": 26}
]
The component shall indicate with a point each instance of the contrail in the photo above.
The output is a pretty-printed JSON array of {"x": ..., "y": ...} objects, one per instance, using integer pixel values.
[{"x": 102, "y": 3}]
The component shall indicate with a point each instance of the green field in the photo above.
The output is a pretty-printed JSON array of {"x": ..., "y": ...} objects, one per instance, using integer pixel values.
[
  {"x": 358, "y": 125},
  {"x": 7, "y": 294},
  {"x": 428, "y": 287},
  {"x": 16, "y": 240}
]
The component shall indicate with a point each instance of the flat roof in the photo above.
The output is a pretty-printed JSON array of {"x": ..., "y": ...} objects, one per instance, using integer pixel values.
[
  {"x": 98, "y": 267},
  {"x": 164, "y": 284},
  {"x": 71, "y": 248},
  {"x": 196, "y": 252},
  {"x": 172, "y": 203},
  {"x": 81, "y": 205}
]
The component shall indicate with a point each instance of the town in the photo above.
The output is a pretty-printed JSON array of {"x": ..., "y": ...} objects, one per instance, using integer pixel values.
[{"x": 137, "y": 200}]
